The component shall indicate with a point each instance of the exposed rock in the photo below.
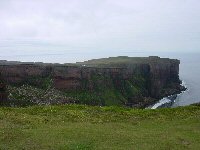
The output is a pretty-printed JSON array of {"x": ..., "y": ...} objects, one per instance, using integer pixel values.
[
  {"x": 3, "y": 90},
  {"x": 133, "y": 81}
]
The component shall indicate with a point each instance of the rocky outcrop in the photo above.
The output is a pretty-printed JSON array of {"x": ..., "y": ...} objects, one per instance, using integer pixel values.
[
  {"x": 3, "y": 91},
  {"x": 163, "y": 74},
  {"x": 132, "y": 81}
]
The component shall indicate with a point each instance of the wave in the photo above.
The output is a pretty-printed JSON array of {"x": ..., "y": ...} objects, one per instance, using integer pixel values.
[{"x": 168, "y": 101}]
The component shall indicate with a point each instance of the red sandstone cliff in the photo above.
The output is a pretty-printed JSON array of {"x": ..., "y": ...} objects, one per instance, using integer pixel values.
[{"x": 153, "y": 77}]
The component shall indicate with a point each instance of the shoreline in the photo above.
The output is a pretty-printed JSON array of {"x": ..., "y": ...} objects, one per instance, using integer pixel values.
[{"x": 167, "y": 102}]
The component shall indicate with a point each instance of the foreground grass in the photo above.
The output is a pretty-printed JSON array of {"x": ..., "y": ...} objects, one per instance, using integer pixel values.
[{"x": 76, "y": 127}]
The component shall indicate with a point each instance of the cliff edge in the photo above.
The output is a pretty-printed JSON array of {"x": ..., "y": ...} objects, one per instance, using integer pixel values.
[{"x": 132, "y": 81}]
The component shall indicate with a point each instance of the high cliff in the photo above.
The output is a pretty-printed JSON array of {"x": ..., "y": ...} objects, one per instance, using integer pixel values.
[
  {"x": 121, "y": 80},
  {"x": 3, "y": 90}
]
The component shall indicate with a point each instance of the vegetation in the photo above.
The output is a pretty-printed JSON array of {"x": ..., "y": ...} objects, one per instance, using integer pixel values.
[
  {"x": 106, "y": 86},
  {"x": 105, "y": 92},
  {"x": 122, "y": 61},
  {"x": 44, "y": 82},
  {"x": 115, "y": 60},
  {"x": 26, "y": 95},
  {"x": 108, "y": 92},
  {"x": 79, "y": 127}
]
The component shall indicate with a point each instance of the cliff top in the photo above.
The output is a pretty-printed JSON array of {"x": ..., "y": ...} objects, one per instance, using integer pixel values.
[
  {"x": 124, "y": 60},
  {"x": 102, "y": 62}
]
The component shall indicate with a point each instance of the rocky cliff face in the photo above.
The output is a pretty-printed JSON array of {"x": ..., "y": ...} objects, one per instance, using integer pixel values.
[
  {"x": 121, "y": 80},
  {"x": 3, "y": 91},
  {"x": 164, "y": 75}
]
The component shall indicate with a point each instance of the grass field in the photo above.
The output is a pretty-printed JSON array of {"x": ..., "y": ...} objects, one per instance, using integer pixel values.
[{"x": 79, "y": 127}]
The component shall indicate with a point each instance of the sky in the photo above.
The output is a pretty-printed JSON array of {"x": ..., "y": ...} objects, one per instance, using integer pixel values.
[{"x": 58, "y": 27}]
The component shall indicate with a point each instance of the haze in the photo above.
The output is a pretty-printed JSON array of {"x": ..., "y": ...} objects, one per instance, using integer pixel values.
[{"x": 54, "y": 28}]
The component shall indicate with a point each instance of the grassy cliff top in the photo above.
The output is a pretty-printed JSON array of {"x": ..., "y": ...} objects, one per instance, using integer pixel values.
[
  {"x": 79, "y": 127},
  {"x": 107, "y": 62},
  {"x": 112, "y": 61}
]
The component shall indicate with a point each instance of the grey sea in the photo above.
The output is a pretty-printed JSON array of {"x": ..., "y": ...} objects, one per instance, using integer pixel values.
[{"x": 190, "y": 74}]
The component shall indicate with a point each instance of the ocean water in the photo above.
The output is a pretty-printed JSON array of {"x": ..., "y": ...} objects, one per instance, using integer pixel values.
[
  {"x": 189, "y": 67},
  {"x": 190, "y": 74}
]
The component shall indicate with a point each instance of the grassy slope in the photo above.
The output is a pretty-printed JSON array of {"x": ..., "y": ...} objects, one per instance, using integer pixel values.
[
  {"x": 85, "y": 127},
  {"x": 103, "y": 93}
]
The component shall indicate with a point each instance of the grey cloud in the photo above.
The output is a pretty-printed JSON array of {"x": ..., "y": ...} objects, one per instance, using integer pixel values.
[{"x": 98, "y": 25}]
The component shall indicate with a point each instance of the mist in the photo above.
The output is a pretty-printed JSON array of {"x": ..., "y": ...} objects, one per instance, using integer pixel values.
[{"x": 69, "y": 31}]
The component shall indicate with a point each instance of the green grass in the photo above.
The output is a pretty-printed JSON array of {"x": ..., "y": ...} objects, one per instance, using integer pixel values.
[
  {"x": 79, "y": 127},
  {"x": 122, "y": 61},
  {"x": 105, "y": 91}
]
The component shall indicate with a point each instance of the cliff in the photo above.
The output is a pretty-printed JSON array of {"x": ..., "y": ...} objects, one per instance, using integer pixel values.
[
  {"x": 3, "y": 90},
  {"x": 110, "y": 81}
]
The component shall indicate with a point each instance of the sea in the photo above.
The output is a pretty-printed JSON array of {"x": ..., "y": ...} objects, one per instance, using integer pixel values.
[
  {"x": 189, "y": 73},
  {"x": 189, "y": 68}
]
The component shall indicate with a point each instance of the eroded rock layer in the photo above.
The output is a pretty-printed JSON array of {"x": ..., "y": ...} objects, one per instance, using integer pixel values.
[{"x": 110, "y": 81}]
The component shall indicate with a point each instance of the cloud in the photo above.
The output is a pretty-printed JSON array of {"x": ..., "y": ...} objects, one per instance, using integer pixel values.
[{"x": 27, "y": 25}]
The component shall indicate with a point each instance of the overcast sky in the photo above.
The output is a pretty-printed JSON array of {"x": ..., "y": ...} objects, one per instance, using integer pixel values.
[{"x": 60, "y": 26}]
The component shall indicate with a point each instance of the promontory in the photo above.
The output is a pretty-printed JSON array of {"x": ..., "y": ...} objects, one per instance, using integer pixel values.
[{"x": 130, "y": 81}]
